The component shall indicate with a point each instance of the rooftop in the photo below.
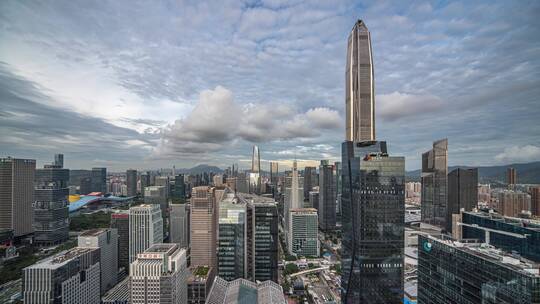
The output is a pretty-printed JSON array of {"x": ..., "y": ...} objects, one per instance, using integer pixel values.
[
  {"x": 162, "y": 248},
  {"x": 94, "y": 232},
  {"x": 60, "y": 259},
  {"x": 525, "y": 223}
]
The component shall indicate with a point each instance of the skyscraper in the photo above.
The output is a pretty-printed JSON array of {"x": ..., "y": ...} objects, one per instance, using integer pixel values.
[
  {"x": 145, "y": 181},
  {"x": 511, "y": 176},
  {"x": 99, "y": 180},
  {"x": 120, "y": 222},
  {"x": 303, "y": 232},
  {"x": 159, "y": 275},
  {"x": 360, "y": 86},
  {"x": 51, "y": 214},
  {"x": 338, "y": 191},
  {"x": 293, "y": 196},
  {"x": 373, "y": 191},
  {"x": 310, "y": 180},
  {"x": 462, "y": 192},
  {"x": 255, "y": 174},
  {"x": 203, "y": 225},
  {"x": 145, "y": 228},
  {"x": 106, "y": 240},
  {"x": 256, "y": 160},
  {"x": 434, "y": 179},
  {"x": 327, "y": 196},
  {"x": 17, "y": 195},
  {"x": 179, "y": 190},
  {"x": 59, "y": 160},
  {"x": 179, "y": 224},
  {"x": 131, "y": 182},
  {"x": 232, "y": 247},
  {"x": 535, "y": 200}
]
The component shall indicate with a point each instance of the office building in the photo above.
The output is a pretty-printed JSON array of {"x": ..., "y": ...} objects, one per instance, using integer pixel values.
[
  {"x": 434, "y": 177},
  {"x": 373, "y": 202},
  {"x": 255, "y": 173},
  {"x": 262, "y": 238},
  {"x": 535, "y": 200},
  {"x": 462, "y": 193},
  {"x": 99, "y": 180},
  {"x": 203, "y": 225},
  {"x": 327, "y": 196},
  {"x": 359, "y": 86},
  {"x": 131, "y": 182},
  {"x": 145, "y": 228},
  {"x": 337, "y": 165},
  {"x": 106, "y": 240},
  {"x": 314, "y": 199},
  {"x": 119, "y": 294},
  {"x": 17, "y": 195},
  {"x": 511, "y": 176},
  {"x": 513, "y": 203},
  {"x": 120, "y": 222},
  {"x": 145, "y": 181},
  {"x": 59, "y": 160},
  {"x": 159, "y": 275},
  {"x": 179, "y": 224},
  {"x": 85, "y": 186},
  {"x": 232, "y": 248},
  {"x": 157, "y": 195},
  {"x": 513, "y": 235},
  {"x": 199, "y": 282},
  {"x": 243, "y": 291},
  {"x": 303, "y": 232},
  {"x": 71, "y": 276},
  {"x": 310, "y": 180},
  {"x": 294, "y": 196},
  {"x": 179, "y": 189},
  {"x": 456, "y": 272},
  {"x": 274, "y": 173},
  {"x": 51, "y": 214}
]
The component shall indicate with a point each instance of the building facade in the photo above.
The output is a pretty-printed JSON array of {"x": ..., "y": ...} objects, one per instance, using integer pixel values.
[
  {"x": 511, "y": 176},
  {"x": 179, "y": 224},
  {"x": 131, "y": 182},
  {"x": 303, "y": 231},
  {"x": 310, "y": 180},
  {"x": 327, "y": 196},
  {"x": 513, "y": 203},
  {"x": 159, "y": 275},
  {"x": 106, "y": 240},
  {"x": 243, "y": 291},
  {"x": 203, "y": 225},
  {"x": 17, "y": 195},
  {"x": 434, "y": 198},
  {"x": 145, "y": 228},
  {"x": 99, "y": 180},
  {"x": 51, "y": 214},
  {"x": 120, "y": 222},
  {"x": 462, "y": 192},
  {"x": 232, "y": 239}
]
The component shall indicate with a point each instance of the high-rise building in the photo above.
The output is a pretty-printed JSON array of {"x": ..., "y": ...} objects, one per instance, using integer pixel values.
[
  {"x": 145, "y": 228},
  {"x": 434, "y": 179},
  {"x": 310, "y": 180},
  {"x": 327, "y": 196},
  {"x": 157, "y": 195},
  {"x": 511, "y": 176},
  {"x": 71, "y": 276},
  {"x": 338, "y": 191},
  {"x": 232, "y": 247},
  {"x": 179, "y": 190},
  {"x": 256, "y": 160},
  {"x": 99, "y": 180},
  {"x": 199, "y": 282},
  {"x": 303, "y": 232},
  {"x": 360, "y": 86},
  {"x": 373, "y": 202},
  {"x": 51, "y": 214},
  {"x": 159, "y": 275},
  {"x": 179, "y": 224},
  {"x": 59, "y": 160},
  {"x": 120, "y": 222},
  {"x": 145, "y": 181},
  {"x": 535, "y": 200},
  {"x": 513, "y": 203},
  {"x": 243, "y": 291},
  {"x": 274, "y": 173},
  {"x": 85, "y": 186},
  {"x": 255, "y": 173},
  {"x": 119, "y": 294},
  {"x": 131, "y": 182},
  {"x": 17, "y": 195},
  {"x": 462, "y": 192},
  {"x": 456, "y": 272},
  {"x": 294, "y": 195},
  {"x": 314, "y": 199},
  {"x": 106, "y": 240},
  {"x": 513, "y": 235},
  {"x": 203, "y": 225},
  {"x": 262, "y": 238}
]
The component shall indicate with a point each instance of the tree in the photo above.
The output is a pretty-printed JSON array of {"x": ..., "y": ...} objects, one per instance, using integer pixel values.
[{"x": 290, "y": 269}]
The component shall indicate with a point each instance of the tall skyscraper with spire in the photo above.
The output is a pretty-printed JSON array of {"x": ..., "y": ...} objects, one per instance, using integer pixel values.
[
  {"x": 373, "y": 191},
  {"x": 360, "y": 86},
  {"x": 255, "y": 174}
]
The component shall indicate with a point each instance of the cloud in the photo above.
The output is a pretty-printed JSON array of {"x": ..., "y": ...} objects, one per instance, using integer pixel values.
[
  {"x": 526, "y": 153},
  {"x": 218, "y": 121},
  {"x": 398, "y": 105}
]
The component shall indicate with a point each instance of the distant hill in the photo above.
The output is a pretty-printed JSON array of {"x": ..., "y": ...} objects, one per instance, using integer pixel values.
[
  {"x": 528, "y": 173},
  {"x": 199, "y": 169}
]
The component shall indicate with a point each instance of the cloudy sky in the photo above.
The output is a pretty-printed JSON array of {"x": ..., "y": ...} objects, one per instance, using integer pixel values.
[{"x": 148, "y": 84}]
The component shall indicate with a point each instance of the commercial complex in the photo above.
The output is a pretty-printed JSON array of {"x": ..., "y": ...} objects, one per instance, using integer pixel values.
[
  {"x": 71, "y": 276},
  {"x": 159, "y": 275},
  {"x": 145, "y": 228},
  {"x": 17, "y": 195}
]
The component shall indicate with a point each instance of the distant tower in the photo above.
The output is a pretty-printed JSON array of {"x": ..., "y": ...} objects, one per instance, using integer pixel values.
[
  {"x": 255, "y": 174},
  {"x": 511, "y": 176},
  {"x": 256, "y": 160},
  {"x": 360, "y": 87},
  {"x": 59, "y": 160},
  {"x": 131, "y": 182}
]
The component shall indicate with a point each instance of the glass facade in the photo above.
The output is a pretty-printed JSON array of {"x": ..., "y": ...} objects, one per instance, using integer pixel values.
[
  {"x": 262, "y": 235},
  {"x": 516, "y": 235},
  {"x": 231, "y": 246},
  {"x": 472, "y": 273},
  {"x": 327, "y": 197},
  {"x": 462, "y": 192},
  {"x": 373, "y": 214},
  {"x": 434, "y": 184}
]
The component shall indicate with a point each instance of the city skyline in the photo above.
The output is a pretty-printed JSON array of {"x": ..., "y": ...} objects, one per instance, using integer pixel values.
[{"x": 156, "y": 98}]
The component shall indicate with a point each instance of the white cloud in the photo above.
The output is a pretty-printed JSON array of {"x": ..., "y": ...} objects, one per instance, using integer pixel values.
[
  {"x": 397, "y": 105},
  {"x": 527, "y": 153},
  {"x": 325, "y": 118}
]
